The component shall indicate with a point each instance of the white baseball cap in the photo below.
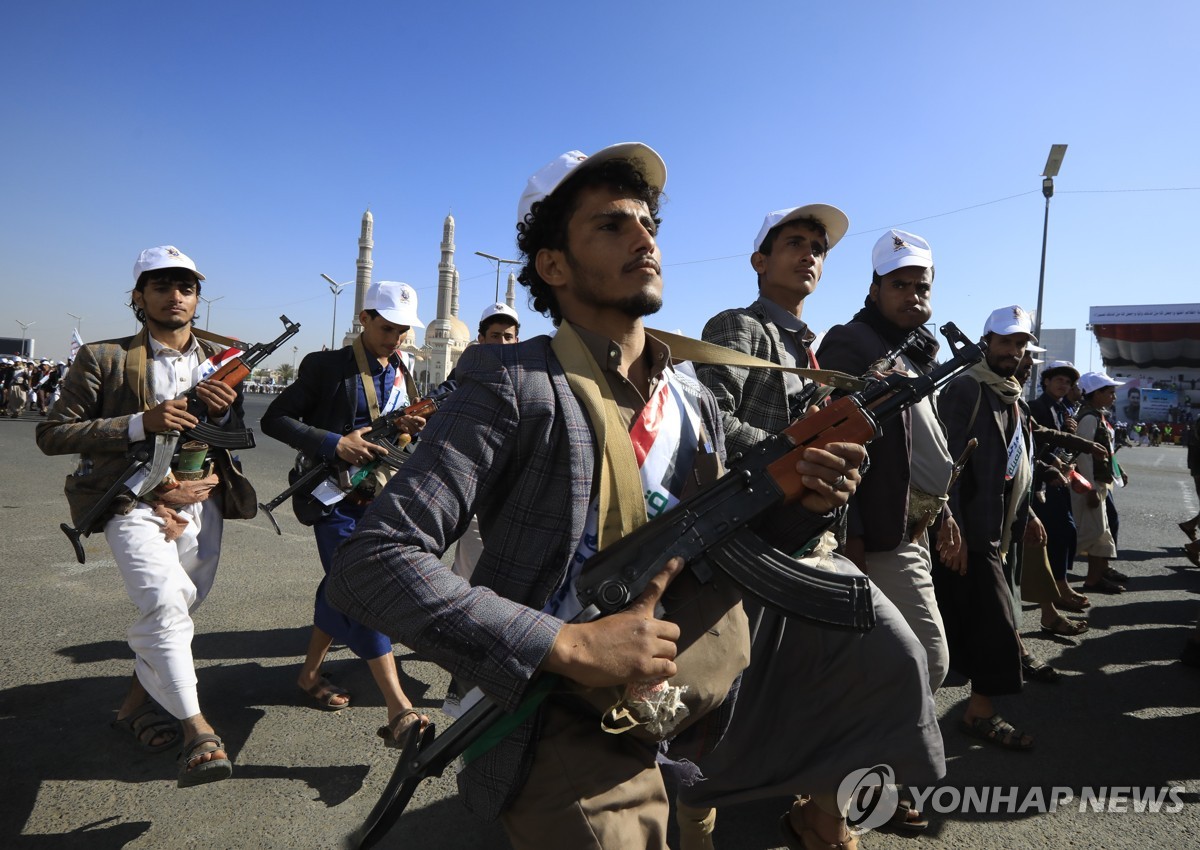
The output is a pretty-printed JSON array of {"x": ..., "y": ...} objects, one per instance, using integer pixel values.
[
  {"x": 832, "y": 219},
  {"x": 163, "y": 257},
  {"x": 553, "y": 173},
  {"x": 1011, "y": 320},
  {"x": 395, "y": 301},
  {"x": 499, "y": 310},
  {"x": 1064, "y": 366},
  {"x": 897, "y": 249},
  {"x": 1089, "y": 382}
]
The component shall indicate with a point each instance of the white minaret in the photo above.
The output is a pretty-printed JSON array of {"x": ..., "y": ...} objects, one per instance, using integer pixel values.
[
  {"x": 510, "y": 297},
  {"x": 446, "y": 270},
  {"x": 362, "y": 279},
  {"x": 446, "y": 336}
]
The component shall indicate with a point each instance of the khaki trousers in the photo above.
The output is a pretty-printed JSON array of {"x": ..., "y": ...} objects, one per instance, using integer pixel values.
[{"x": 588, "y": 790}]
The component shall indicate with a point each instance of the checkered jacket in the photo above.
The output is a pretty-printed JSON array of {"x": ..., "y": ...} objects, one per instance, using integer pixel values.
[
  {"x": 514, "y": 446},
  {"x": 753, "y": 402}
]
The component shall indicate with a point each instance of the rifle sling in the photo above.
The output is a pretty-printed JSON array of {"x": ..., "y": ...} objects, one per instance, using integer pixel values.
[{"x": 686, "y": 348}]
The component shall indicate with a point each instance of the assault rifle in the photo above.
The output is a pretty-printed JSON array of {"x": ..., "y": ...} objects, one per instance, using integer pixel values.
[
  {"x": 156, "y": 454},
  {"x": 711, "y": 531},
  {"x": 383, "y": 432}
]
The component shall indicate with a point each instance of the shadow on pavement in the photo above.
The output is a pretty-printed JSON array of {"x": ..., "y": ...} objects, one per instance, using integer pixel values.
[
  {"x": 93, "y": 836},
  {"x": 443, "y": 825},
  {"x": 62, "y": 728}
]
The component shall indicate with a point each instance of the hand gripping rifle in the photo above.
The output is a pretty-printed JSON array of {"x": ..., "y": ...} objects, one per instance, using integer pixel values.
[
  {"x": 710, "y": 530},
  {"x": 158, "y": 452},
  {"x": 383, "y": 432}
]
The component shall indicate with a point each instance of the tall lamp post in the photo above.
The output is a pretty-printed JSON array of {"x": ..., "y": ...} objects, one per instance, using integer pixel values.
[
  {"x": 78, "y": 323},
  {"x": 24, "y": 327},
  {"x": 208, "y": 312},
  {"x": 1053, "y": 163},
  {"x": 499, "y": 262},
  {"x": 336, "y": 288}
]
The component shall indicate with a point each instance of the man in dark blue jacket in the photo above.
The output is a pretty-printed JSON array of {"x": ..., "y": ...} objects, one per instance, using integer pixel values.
[{"x": 323, "y": 414}]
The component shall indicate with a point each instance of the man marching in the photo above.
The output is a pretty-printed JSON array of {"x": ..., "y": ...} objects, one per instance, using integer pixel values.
[
  {"x": 544, "y": 440},
  {"x": 167, "y": 544},
  {"x": 324, "y": 414}
]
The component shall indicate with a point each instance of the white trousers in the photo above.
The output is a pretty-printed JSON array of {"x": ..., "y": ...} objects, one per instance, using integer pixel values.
[
  {"x": 905, "y": 575},
  {"x": 166, "y": 581}
]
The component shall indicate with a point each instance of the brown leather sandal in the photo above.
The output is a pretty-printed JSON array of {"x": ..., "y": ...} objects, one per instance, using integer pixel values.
[{"x": 395, "y": 733}]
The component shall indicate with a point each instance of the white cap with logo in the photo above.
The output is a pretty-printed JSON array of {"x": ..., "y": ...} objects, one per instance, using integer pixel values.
[
  {"x": 395, "y": 301},
  {"x": 499, "y": 310},
  {"x": 1066, "y": 367},
  {"x": 832, "y": 219},
  {"x": 897, "y": 249},
  {"x": 1089, "y": 382},
  {"x": 550, "y": 176},
  {"x": 163, "y": 257},
  {"x": 1011, "y": 320}
]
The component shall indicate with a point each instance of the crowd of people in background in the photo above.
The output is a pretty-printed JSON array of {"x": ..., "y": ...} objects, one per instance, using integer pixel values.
[{"x": 28, "y": 385}]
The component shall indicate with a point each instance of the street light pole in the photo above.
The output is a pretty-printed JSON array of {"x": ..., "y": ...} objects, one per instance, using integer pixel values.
[
  {"x": 24, "y": 327},
  {"x": 208, "y": 312},
  {"x": 78, "y": 323},
  {"x": 336, "y": 288},
  {"x": 1053, "y": 164},
  {"x": 498, "y": 261}
]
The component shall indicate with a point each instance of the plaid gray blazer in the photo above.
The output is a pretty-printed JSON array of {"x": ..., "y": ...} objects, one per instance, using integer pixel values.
[
  {"x": 514, "y": 446},
  {"x": 753, "y": 402}
]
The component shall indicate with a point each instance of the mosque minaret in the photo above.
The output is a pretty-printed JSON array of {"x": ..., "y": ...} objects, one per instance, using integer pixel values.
[
  {"x": 362, "y": 279},
  {"x": 510, "y": 297},
  {"x": 446, "y": 336}
]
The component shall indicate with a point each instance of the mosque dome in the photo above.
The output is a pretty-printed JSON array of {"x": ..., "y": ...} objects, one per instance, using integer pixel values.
[{"x": 460, "y": 334}]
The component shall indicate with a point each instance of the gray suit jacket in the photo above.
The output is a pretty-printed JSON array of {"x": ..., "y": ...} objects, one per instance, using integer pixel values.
[
  {"x": 753, "y": 402},
  {"x": 514, "y": 446}
]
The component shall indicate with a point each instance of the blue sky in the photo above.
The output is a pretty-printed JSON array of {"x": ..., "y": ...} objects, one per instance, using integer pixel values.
[{"x": 253, "y": 136}]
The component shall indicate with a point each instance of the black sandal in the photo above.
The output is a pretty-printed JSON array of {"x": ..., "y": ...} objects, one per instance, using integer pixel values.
[
  {"x": 1104, "y": 586},
  {"x": 146, "y": 723},
  {"x": 998, "y": 731},
  {"x": 395, "y": 733},
  {"x": 1038, "y": 670},
  {"x": 202, "y": 772}
]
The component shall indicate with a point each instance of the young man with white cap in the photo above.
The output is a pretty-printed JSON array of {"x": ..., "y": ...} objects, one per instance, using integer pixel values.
[
  {"x": 323, "y": 414},
  {"x": 499, "y": 325},
  {"x": 1096, "y": 536},
  {"x": 1051, "y": 410},
  {"x": 809, "y": 691},
  {"x": 990, "y": 502},
  {"x": 904, "y": 494},
  {"x": 123, "y": 391},
  {"x": 534, "y": 442}
]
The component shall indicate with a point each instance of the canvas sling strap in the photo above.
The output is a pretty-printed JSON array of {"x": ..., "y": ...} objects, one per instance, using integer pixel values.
[
  {"x": 400, "y": 392},
  {"x": 698, "y": 351}
]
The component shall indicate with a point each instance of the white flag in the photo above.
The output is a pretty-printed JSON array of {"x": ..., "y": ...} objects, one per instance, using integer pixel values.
[{"x": 76, "y": 343}]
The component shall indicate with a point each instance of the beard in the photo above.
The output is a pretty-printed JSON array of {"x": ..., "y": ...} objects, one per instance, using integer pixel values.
[
  {"x": 1004, "y": 371},
  {"x": 591, "y": 291}
]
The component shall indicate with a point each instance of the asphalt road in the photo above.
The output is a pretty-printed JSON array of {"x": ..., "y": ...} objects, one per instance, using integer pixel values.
[{"x": 1125, "y": 713}]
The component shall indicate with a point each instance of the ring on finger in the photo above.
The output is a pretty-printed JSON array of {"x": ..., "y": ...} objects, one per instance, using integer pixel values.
[{"x": 837, "y": 483}]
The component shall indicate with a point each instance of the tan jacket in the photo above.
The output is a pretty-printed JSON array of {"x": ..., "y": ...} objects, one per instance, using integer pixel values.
[{"x": 91, "y": 418}]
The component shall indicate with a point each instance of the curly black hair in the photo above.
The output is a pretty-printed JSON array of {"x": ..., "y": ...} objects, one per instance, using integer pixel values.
[
  {"x": 545, "y": 226},
  {"x": 160, "y": 274}
]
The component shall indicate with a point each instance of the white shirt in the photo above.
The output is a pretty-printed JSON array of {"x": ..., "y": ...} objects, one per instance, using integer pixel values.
[{"x": 172, "y": 373}]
